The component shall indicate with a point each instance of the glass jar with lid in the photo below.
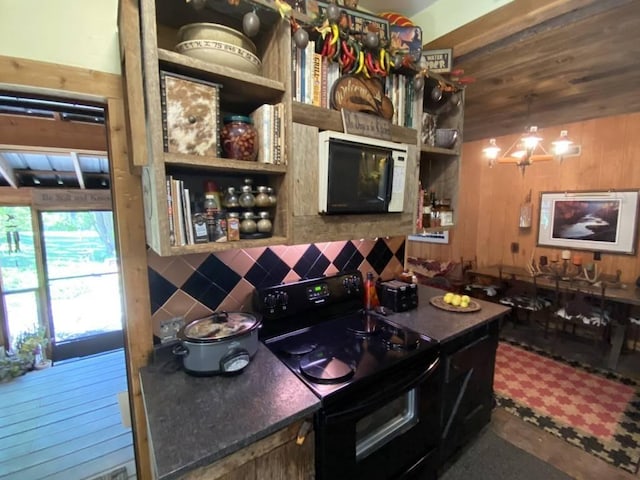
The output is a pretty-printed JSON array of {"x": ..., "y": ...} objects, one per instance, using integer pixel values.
[
  {"x": 262, "y": 198},
  {"x": 264, "y": 224},
  {"x": 272, "y": 196},
  {"x": 248, "y": 224},
  {"x": 231, "y": 198},
  {"x": 246, "y": 198},
  {"x": 239, "y": 138}
]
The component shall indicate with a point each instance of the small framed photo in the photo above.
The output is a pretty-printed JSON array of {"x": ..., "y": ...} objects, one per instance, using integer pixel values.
[{"x": 439, "y": 61}]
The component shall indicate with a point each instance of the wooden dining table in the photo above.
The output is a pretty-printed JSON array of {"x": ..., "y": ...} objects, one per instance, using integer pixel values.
[{"x": 624, "y": 295}]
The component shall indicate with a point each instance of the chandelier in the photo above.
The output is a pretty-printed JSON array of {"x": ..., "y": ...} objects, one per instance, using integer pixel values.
[{"x": 528, "y": 148}]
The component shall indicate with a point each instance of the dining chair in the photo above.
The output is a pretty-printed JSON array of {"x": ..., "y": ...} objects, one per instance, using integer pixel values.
[
  {"x": 525, "y": 295},
  {"x": 583, "y": 309}
]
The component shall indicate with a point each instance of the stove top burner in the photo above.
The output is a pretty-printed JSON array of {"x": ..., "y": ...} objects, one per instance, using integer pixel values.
[
  {"x": 298, "y": 348},
  {"x": 363, "y": 324},
  {"x": 323, "y": 367}
]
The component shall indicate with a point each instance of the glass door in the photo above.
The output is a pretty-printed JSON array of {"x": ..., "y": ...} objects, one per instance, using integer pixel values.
[
  {"x": 82, "y": 281},
  {"x": 18, "y": 274}
]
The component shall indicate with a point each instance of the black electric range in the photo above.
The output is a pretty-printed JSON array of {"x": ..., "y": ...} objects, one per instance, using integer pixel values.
[{"x": 378, "y": 381}]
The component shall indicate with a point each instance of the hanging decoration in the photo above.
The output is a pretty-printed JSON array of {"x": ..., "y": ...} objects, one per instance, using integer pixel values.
[{"x": 251, "y": 24}]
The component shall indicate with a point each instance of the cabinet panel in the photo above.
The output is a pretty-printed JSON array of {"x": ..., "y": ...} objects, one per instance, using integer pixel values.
[{"x": 240, "y": 93}]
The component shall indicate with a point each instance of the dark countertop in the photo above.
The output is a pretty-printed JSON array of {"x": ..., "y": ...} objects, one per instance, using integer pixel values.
[
  {"x": 442, "y": 325},
  {"x": 194, "y": 421}
]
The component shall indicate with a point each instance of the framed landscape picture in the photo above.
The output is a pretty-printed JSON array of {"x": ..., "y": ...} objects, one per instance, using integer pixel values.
[{"x": 596, "y": 221}]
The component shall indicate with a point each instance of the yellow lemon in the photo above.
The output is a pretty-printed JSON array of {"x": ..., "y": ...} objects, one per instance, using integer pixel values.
[
  {"x": 455, "y": 301},
  {"x": 464, "y": 304},
  {"x": 448, "y": 297},
  {"x": 465, "y": 298}
]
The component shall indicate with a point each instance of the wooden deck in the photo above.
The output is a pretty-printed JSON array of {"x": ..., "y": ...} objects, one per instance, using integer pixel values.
[{"x": 64, "y": 423}]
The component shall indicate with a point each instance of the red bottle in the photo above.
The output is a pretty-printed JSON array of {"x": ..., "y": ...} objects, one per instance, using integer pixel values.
[{"x": 370, "y": 295}]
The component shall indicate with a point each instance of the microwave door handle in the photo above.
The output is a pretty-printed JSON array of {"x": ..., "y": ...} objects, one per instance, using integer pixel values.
[{"x": 389, "y": 177}]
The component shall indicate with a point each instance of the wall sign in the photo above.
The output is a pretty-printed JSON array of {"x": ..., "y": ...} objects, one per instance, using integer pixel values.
[
  {"x": 439, "y": 61},
  {"x": 366, "y": 125}
]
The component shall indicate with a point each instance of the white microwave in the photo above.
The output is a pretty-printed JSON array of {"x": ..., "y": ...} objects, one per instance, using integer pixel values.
[{"x": 360, "y": 174}]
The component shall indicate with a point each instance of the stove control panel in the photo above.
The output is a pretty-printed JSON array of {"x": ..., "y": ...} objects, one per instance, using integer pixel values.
[{"x": 343, "y": 289}]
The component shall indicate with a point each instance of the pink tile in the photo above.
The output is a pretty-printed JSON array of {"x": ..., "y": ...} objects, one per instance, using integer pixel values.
[
  {"x": 392, "y": 270},
  {"x": 255, "y": 252},
  {"x": 279, "y": 250},
  {"x": 333, "y": 250},
  {"x": 178, "y": 272},
  {"x": 366, "y": 267},
  {"x": 159, "y": 316},
  {"x": 179, "y": 304},
  {"x": 322, "y": 245},
  {"x": 242, "y": 291},
  {"x": 195, "y": 259},
  {"x": 230, "y": 304},
  {"x": 291, "y": 277},
  {"x": 394, "y": 243},
  {"x": 228, "y": 256},
  {"x": 158, "y": 263},
  {"x": 293, "y": 254},
  {"x": 331, "y": 270},
  {"x": 242, "y": 263},
  {"x": 365, "y": 246},
  {"x": 198, "y": 310}
]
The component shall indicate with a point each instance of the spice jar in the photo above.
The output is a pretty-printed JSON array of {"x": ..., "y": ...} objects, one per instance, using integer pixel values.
[
  {"x": 231, "y": 198},
  {"x": 248, "y": 224},
  {"x": 246, "y": 198},
  {"x": 233, "y": 226},
  {"x": 239, "y": 138},
  {"x": 272, "y": 196},
  {"x": 264, "y": 224},
  {"x": 262, "y": 198}
]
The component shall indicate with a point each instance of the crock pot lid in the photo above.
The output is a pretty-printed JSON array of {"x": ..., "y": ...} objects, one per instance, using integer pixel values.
[{"x": 220, "y": 325}]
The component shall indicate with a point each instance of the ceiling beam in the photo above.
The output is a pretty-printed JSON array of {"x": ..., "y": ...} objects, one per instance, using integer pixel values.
[
  {"x": 76, "y": 167},
  {"x": 47, "y": 133},
  {"x": 6, "y": 170}
]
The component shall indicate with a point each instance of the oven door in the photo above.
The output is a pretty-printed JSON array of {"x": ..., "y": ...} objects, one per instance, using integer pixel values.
[{"x": 390, "y": 433}]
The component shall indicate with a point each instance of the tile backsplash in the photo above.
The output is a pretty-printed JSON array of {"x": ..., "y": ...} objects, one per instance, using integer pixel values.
[{"x": 193, "y": 286}]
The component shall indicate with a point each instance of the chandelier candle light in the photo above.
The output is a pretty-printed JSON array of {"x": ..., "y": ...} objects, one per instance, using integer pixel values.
[{"x": 528, "y": 147}]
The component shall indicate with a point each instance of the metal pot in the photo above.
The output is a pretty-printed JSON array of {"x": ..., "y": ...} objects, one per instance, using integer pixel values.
[{"x": 221, "y": 343}]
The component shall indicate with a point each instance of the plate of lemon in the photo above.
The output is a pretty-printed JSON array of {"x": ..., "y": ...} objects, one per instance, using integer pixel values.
[{"x": 454, "y": 302}]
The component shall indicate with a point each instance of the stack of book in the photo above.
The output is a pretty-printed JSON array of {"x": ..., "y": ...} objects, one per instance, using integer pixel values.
[
  {"x": 268, "y": 120},
  {"x": 313, "y": 76},
  {"x": 179, "y": 211}
]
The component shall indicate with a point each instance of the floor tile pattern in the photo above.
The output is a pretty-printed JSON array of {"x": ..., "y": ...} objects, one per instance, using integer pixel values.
[{"x": 594, "y": 410}]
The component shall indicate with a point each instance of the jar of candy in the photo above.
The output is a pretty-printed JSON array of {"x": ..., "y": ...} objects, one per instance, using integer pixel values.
[{"x": 239, "y": 138}]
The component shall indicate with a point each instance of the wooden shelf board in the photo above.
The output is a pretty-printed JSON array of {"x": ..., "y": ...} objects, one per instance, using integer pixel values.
[
  {"x": 227, "y": 164},
  {"x": 245, "y": 86},
  {"x": 438, "y": 150},
  {"x": 213, "y": 247},
  {"x": 327, "y": 119}
]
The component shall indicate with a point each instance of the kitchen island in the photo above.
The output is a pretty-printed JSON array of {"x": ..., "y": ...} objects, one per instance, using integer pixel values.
[{"x": 196, "y": 422}]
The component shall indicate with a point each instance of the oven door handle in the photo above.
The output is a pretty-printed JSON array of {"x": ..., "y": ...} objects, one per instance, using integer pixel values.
[{"x": 381, "y": 400}]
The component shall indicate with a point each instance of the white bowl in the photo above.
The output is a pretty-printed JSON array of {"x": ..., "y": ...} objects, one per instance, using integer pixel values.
[
  {"x": 221, "y": 53},
  {"x": 214, "y": 31}
]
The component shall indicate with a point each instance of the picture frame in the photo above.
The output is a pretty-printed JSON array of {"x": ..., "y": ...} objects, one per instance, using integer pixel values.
[{"x": 599, "y": 221}]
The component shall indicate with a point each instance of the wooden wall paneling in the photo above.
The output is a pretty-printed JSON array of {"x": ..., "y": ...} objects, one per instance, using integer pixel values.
[
  {"x": 608, "y": 161},
  {"x": 130, "y": 48},
  {"x": 23, "y": 75}
]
